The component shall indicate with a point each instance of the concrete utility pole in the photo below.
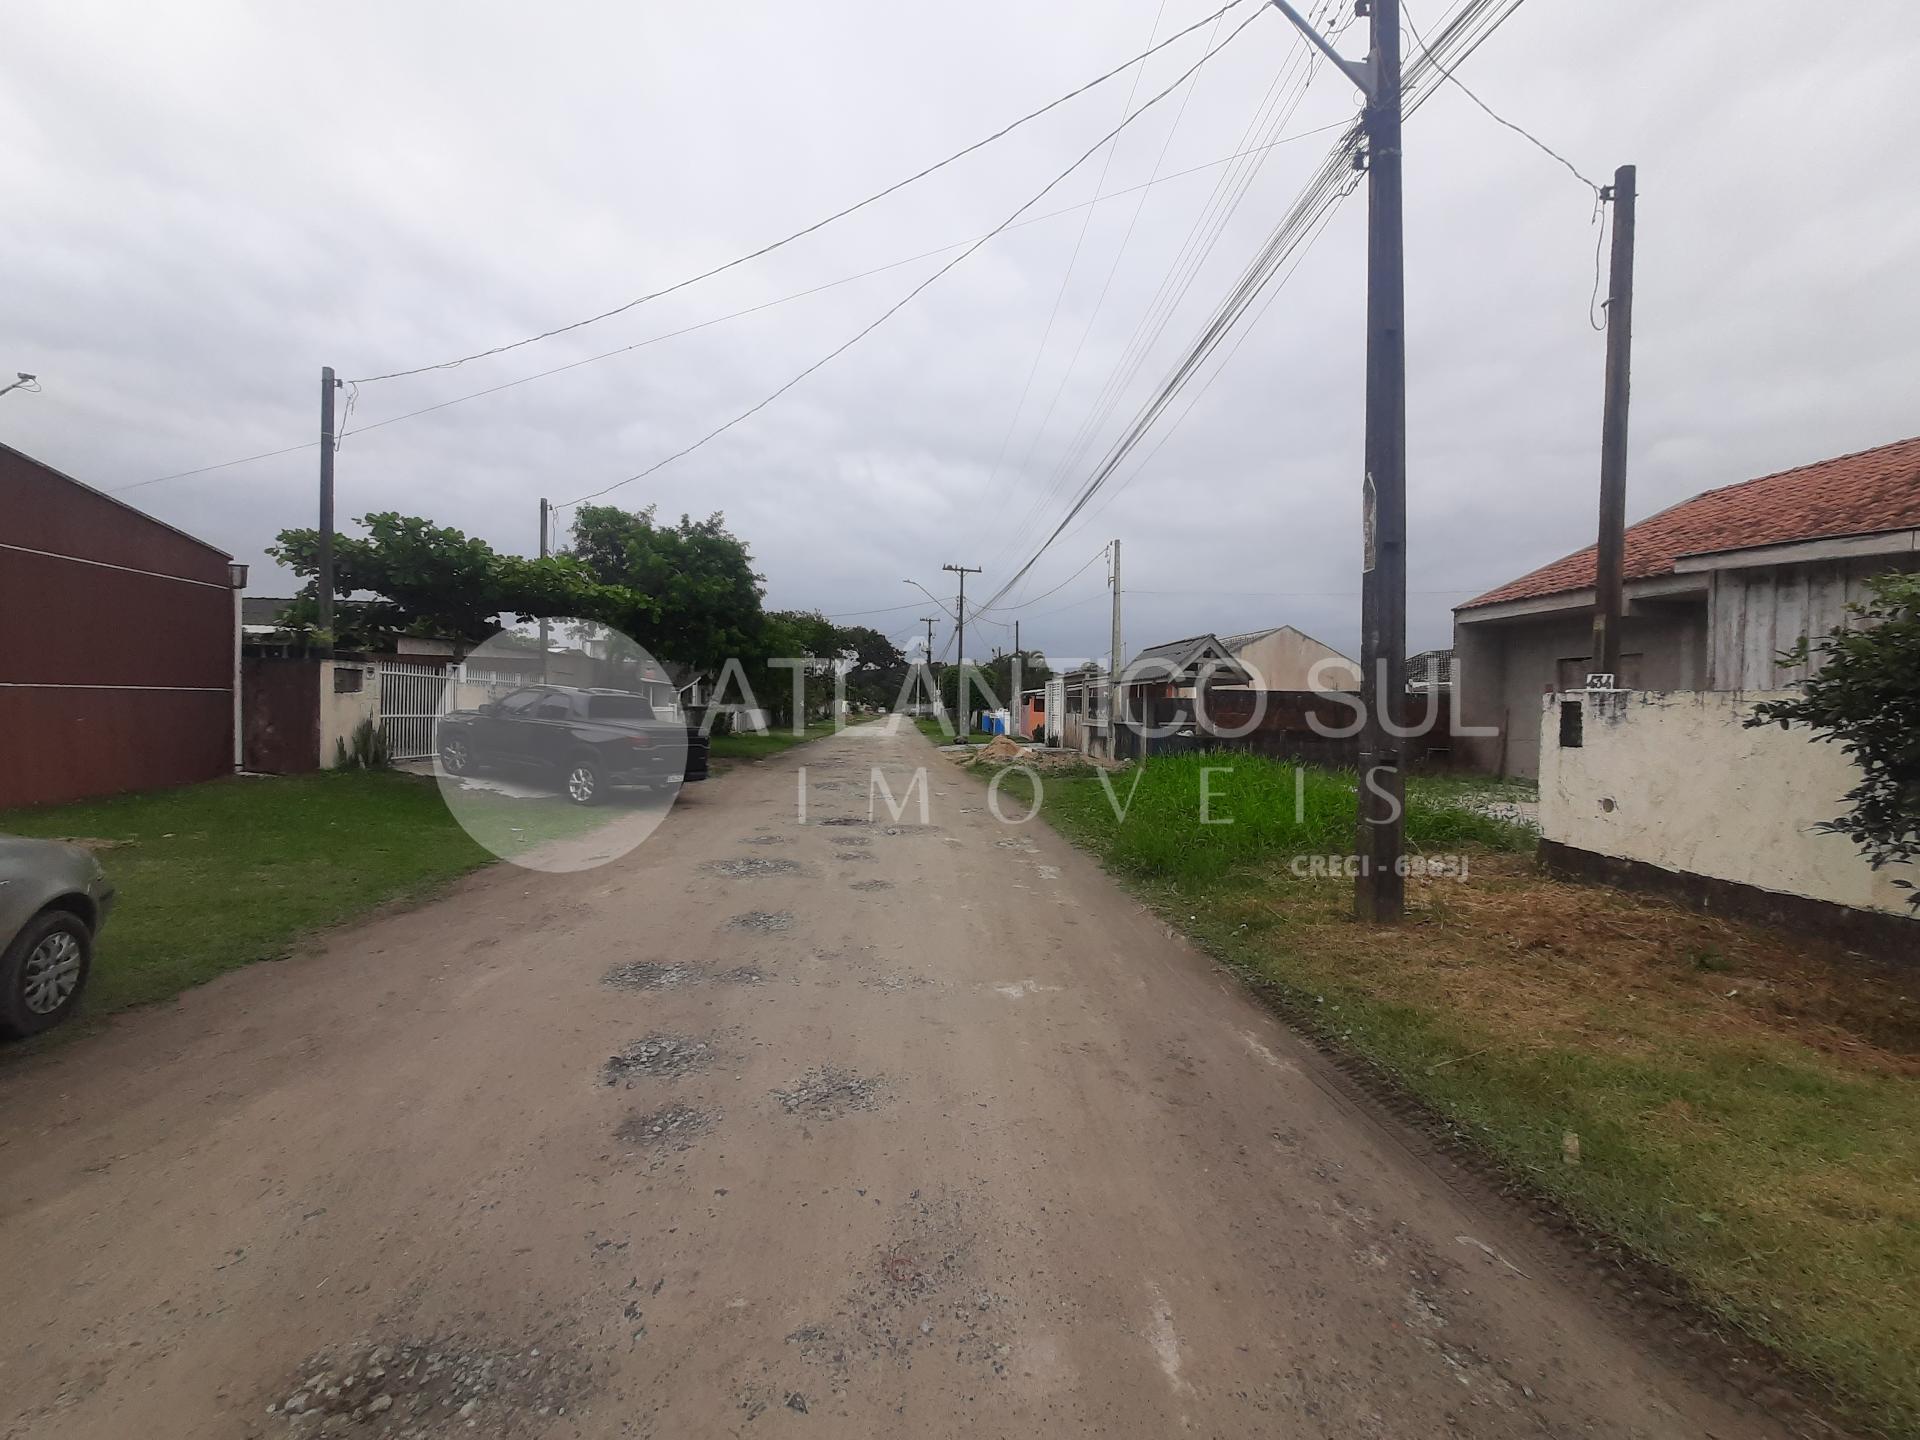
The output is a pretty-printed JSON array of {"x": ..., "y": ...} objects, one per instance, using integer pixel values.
[
  {"x": 1013, "y": 680},
  {"x": 1380, "y": 888},
  {"x": 1607, "y": 585},
  {"x": 545, "y": 511},
  {"x": 324, "y": 580},
  {"x": 1113, "y": 672},
  {"x": 960, "y": 645}
]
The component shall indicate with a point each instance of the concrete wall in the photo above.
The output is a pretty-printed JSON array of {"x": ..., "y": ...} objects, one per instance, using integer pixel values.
[
  {"x": 1675, "y": 780},
  {"x": 1760, "y": 612},
  {"x": 1502, "y": 667},
  {"x": 342, "y": 709},
  {"x": 1285, "y": 659}
]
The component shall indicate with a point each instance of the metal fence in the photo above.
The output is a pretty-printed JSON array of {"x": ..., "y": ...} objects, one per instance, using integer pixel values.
[{"x": 412, "y": 698}]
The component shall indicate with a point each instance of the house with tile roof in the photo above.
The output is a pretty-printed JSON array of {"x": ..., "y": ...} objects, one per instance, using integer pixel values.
[{"x": 1716, "y": 587}]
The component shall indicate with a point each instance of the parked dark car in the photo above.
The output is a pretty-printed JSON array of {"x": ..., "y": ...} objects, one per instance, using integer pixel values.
[
  {"x": 589, "y": 742},
  {"x": 54, "y": 898}
]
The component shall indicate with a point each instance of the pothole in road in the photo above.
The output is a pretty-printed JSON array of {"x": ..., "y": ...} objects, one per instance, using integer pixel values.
[
  {"x": 431, "y": 1387},
  {"x": 841, "y": 820},
  {"x": 859, "y": 857},
  {"x": 851, "y": 840},
  {"x": 764, "y": 840},
  {"x": 827, "y": 1092},
  {"x": 741, "y": 975},
  {"x": 673, "y": 1127},
  {"x": 871, "y": 885},
  {"x": 909, "y": 829},
  {"x": 765, "y": 922},
  {"x": 658, "y": 1056},
  {"x": 891, "y": 983},
  {"x": 749, "y": 866}
]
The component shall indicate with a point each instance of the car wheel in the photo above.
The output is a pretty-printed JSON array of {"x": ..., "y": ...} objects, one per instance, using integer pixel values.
[
  {"x": 584, "y": 786},
  {"x": 43, "y": 972},
  {"x": 456, "y": 756}
]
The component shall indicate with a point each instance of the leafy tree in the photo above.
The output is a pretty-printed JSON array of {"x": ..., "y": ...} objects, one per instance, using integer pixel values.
[
  {"x": 434, "y": 580},
  {"x": 1866, "y": 696},
  {"x": 876, "y": 669},
  {"x": 698, "y": 577}
]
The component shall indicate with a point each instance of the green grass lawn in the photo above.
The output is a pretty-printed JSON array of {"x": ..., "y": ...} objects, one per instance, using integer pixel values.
[
  {"x": 757, "y": 747},
  {"x": 1746, "y": 1104},
  {"x": 215, "y": 876}
]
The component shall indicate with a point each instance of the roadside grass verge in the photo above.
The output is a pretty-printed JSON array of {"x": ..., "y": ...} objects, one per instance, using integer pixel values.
[
  {"x": 1746, "y": 1104},
  {"x": 214, "y": 876},
  {"x": 751, "y": 746}
]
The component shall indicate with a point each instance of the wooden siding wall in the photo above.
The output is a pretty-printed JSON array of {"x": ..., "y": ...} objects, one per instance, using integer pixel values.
[{"x": 1758, "y": 613}]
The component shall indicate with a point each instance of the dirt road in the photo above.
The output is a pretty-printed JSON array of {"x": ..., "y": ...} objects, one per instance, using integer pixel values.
[{"x": 835, "y": 1129}]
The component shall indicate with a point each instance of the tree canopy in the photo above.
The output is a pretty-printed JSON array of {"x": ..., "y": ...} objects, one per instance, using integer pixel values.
[
  {"x": 697, "y": 576},
  {"x": 434, "y": 580}
]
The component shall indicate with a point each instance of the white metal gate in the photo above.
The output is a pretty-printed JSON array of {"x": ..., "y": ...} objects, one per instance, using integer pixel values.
[{"x": 412, "y": 698}]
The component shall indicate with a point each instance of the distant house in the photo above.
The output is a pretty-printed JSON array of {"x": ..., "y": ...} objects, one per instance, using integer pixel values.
[
  {"x": 1430, "y": 670},
  {"x": 1716, "y": 587},
  {"x": 1283, "y": 658},
  {"x": 118, "y": 644}
]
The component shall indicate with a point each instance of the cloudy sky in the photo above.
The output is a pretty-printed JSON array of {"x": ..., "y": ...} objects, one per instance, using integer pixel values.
[{"x": 206, "y": 203}]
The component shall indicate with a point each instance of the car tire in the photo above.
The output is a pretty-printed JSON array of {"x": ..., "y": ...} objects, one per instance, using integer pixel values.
[
  {"x": 582, "y": 782},
  {"x": 43, "y": 972},
  {"x": 456, "y": 756}
]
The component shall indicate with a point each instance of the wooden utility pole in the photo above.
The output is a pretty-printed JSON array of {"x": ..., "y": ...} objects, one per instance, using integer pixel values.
[
  {"x": 324, "y": 579},
  {"x": 1380, "y": 889},
  {"x": 1609, "y": 562}
]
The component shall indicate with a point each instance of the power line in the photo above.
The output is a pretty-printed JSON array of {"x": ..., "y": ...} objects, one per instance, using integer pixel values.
[
  {"x": 1056, "y": 589},
  {"x": 1467, "y": 30},
  {"x": 741, "y": 313},
  {"x": 901, "y": 303},
  {"x": 1524, "y": 134},
  {"x": 818, "y": 224},
  {"x": 1060, "y": 295}
]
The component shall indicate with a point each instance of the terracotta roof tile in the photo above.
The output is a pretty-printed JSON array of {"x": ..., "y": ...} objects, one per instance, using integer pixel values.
[{"x": 1859, "y": 494}]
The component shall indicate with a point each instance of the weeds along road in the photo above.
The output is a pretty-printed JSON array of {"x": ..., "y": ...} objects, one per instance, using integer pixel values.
[{"x": 840, "y": 1129}]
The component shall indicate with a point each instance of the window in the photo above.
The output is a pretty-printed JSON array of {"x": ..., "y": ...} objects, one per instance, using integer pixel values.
[
  {"x": 348, "y": 679},
  {"x": 521, "y": 701},
  {"x": 619, "y": 707},
  {"x": 553, "y": 707}
]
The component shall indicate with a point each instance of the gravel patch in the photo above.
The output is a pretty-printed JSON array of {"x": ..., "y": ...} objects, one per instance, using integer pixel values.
[
  {"x": 651, "y": 975},
  {"x": 407, "y": 1389},
  {"x": 841, "y": 820},
  {"x": 871, "y": 885},
  {"x": 673, "y": 1127},
  {"x": 658, "y": 1056},
  {"x": 750, "y": 866},
  {"x": 766, "y": 922},
  {"x": 827, "y": 1092}
]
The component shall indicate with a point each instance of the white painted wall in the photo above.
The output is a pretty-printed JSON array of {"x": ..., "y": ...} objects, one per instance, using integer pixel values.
[
  {"x": 340, "y": 714},
  {"x": 1673, "y": 778}
]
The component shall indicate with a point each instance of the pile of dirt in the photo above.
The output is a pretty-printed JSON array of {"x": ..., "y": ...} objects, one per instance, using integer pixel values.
[{"x": 1001, "y": 747}]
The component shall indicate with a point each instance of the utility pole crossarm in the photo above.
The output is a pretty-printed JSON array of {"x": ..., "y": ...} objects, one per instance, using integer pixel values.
[{"x": 1363, "y": 73}]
